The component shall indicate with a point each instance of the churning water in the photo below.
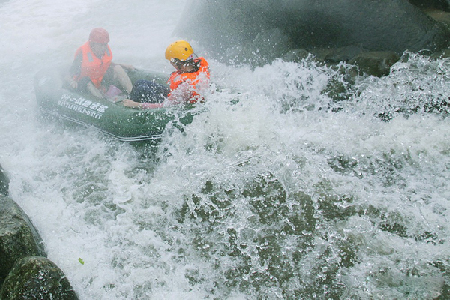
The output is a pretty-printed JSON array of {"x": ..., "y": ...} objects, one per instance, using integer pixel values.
[{"x": 275, "y": 191}]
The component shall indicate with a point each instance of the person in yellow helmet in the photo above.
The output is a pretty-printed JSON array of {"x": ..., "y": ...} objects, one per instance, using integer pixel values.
[
  {"x": 191, "y": 73},
  {"x": 188, "y": 83}
]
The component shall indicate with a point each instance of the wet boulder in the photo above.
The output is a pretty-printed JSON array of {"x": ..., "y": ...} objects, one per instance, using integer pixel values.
[
  {"x": 259, "y": 31},
  {"x": 36, "y": 277},
  {"x": 432, "y": 4},
  {"x": 296, "y": 55},
  {"x": 440, "y": 16},
  {"x": 336, "y": 55},
  {"x": 375, "y": 63},
  {"x": 4, "y": 182},
  {"x": 443, "y": 54},
  {"x": 18, "y": 237}
]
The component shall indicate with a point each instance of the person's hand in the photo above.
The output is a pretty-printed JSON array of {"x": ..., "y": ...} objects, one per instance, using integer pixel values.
[
  {"x": 73, "y": 84},
  {"x": 131, "y": 103}
]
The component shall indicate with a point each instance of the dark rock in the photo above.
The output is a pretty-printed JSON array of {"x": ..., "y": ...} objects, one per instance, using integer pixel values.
[
  {"x": 296, "y": 55},
  {"x": 336, "y": 55},
  {"x": 375, "y": 63},
  {"x": 440, "y": 17},
  {"x": 436, "y": 4},
  {"x": 36, "y": 277},
  {"x": 443, "y": 54},
  {"x": 242, "y": 30},
  {"x": 18, "y": 237},
  {"x": 4, "y": 182}
]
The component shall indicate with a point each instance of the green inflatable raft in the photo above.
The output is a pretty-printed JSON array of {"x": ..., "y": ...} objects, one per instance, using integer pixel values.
[{"x": 126, "y": 124}]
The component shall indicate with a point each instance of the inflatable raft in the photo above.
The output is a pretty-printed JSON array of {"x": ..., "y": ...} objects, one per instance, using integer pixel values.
[{"x": 126, "y": 124}]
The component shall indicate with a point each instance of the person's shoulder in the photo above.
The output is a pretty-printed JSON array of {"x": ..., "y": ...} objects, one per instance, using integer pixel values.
[
  {"x": 78, "y": 57},
  {"x": 203, "y": 61},
  {"x": 80, "y": 49}
]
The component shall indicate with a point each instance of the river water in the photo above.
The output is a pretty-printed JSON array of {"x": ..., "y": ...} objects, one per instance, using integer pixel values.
[{"x": 275, "y": 191}]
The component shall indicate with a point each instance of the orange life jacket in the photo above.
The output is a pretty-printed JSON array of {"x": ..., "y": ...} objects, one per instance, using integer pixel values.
[
  {"x": 194, "y": 78},
  {"x": 92, "y": 66}
]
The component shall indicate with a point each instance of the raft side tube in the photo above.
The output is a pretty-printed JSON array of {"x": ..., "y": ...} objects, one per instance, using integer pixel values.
[{"x": 124, "y": 123}]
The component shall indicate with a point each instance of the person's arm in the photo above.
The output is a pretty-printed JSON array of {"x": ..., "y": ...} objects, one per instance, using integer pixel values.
[
  {"x": 133, "y": 104},
  {"x": 75, "y": 70},
  {"x": 150, "y": 105}
]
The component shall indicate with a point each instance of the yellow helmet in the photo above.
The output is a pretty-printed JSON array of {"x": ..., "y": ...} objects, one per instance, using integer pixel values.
[{"x": 180, "y": 50}]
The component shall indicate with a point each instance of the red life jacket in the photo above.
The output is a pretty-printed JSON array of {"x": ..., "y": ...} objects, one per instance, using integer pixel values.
[
  {"x": 92, "y": 66},
  {"x": 194, "y": 78}
]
